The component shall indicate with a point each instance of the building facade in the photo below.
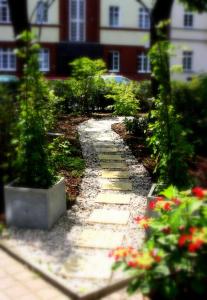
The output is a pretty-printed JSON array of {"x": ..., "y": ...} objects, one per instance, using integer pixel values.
[{"x": 115, "y": 30}]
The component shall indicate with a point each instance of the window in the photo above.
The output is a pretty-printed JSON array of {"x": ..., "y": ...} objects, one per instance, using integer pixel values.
[
  {"x": 187, "y": 61},
  {"x": 114, "y": 16},
  {"x": 188, "y": 19},
  {"x": 4, "y": 12},
  {"x": 144, "y": 19},
  {"x": 143, "y": 63},
  {"x": 44, "y": 60},
  {"x": 7, "y": 59},
  {"x": 114, "y": 61},
  {"x": 77, "y": 20},
  {"x": 42, "y": 12}
]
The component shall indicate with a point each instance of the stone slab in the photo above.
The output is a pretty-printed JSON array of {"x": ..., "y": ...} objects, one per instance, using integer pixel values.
[
  {"x": 109, "y": 216},
  {"x": 87, "y": 266},
  {"x": 113, "y": 165},
  {"x": 118, "y": 186},
  {"x": 110, "y": 157},
  {"x": 115, "y": 174},
  {"x": 107, "y": 149},
  {"x": 112, "y": 198},
  {"x": 103, "y": 239}
]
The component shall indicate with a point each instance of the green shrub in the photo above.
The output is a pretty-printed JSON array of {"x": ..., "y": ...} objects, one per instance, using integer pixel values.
[
  {"x": 143, "y": 93},
  {"x": 125, "y": 102},
  {"x": 137, "y": 126},
  {"x": 190, "y": 102},
  {"x": 61, "y": 154}
]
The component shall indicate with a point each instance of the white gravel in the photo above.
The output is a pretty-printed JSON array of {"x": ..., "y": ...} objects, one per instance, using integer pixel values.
[{"x": 52, "y": 248}]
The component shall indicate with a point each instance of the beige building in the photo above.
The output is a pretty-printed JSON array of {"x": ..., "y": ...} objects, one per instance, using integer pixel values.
[{"x": 116, "y": 30}]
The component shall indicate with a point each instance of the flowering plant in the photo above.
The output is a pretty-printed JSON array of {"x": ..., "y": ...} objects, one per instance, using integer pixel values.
[{"x": 172, "y": 263}]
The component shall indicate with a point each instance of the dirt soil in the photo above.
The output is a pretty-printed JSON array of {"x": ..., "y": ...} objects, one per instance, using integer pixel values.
[{"x": 137, "y": 146}]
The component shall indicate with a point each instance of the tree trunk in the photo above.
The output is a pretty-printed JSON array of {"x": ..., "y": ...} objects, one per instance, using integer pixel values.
[
  {"x": 160, "y": 12},
  {"x": 19, "y": 16}
]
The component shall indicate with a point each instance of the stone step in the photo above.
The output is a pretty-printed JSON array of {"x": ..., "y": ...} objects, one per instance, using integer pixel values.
[
  {"x": 110, "y": 157},
  {"x": 113, "y": 198},
  {"x": 107, "y": 149},
  {"x": 103, "y": 239},
  {"x": 87, "y": 266},
  {"x": 115, "y": 174},
  {"x": 118, "y": 186},
  {"x": 113, "y": 165},
  {"x": 109, "y": 216}
]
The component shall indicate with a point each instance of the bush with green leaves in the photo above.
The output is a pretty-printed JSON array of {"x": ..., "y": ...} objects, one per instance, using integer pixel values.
[
  {"x": 189, "y": 99},
  {"x": 137, "y": 126},
  {"x": 35, "y": 117},
  {"x": 63, "y": 157},
  {"x": 87, "y": 87},
  {"x": 172, "y": 262},
  {"x": 143, "y": 93},
  {"x": 125, "y": 102}
]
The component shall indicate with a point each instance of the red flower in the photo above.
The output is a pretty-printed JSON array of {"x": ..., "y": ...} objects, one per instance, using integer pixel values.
[
  {"x": 132, "y": 264},
  {"x": 197, "y": 244},
  {"x": 152, "y": 204},
  {"x": 198, "y": 192},
  {"x": 167, "y": 206},
  {"x": 142, "y": 221},
  {"x": 183, "y": 239},
  {"x": 159, "y": 198}
]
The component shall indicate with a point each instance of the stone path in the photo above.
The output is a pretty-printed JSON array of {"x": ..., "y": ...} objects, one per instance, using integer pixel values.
[{"x": 113, "y": 192}]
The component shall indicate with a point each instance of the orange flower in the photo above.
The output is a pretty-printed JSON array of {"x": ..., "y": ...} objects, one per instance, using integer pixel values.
[{"x": 143, "y": 221}]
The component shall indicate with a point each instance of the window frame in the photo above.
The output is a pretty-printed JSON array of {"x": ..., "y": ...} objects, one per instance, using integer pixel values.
[
  {"x": 78, "y": 21},
  {"x": 188, "y": 19},
  {"x": 41, "y": 59},
  {"x": 42, "y": 12},
  {"x": 115, "y": 55},
  {"x": 144, "y": 18},
  {"x": 187, "y": 60},
  {"x": 6, "y": 7},
  {"x": 114, "y": 21},
  {"x": 9, "y": 52},
  {"x": 141, "y": 57}
]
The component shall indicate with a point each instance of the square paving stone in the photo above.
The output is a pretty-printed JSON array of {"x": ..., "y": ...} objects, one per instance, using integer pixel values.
[
  {"x": 113, "y": 165},
  {"x": 110, "y": 157},
  {"x": 104, "y": 239},
  {"x": 88, "y": 267},
  {"x": 112, "y": 198},
  {"x": 115, "y": 174},
  {"x": 109, "y": 216},
  {"x": 109, "y": 149},
  {"x": 118, "y": 186}
]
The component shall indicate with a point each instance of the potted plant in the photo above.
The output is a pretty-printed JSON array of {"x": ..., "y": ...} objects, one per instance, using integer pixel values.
[
  {"x": 36, "y": 199},
  {"x": 172, "y": 262}
]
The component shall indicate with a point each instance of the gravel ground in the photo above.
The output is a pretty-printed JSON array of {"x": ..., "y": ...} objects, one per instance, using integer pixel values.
[{"x": 52, "y": 248}]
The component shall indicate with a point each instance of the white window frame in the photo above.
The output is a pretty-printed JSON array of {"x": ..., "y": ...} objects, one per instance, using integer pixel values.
[
  {"x": 115, "y": 61},
  {"x": 10, "y": 56},
  {"x": 77, "y": 21},
  {"x": 144, "y": 18},
  {"x": 44, "y": 60},
  {"x": 143, "y": 60},
  {"x": 4, "y": 6},
  {"x": 114, "y": 16},
  {"x": 42, "y": 12},
  {"x": 187, "y": 60},
  {"x": 188, "y": 19}
]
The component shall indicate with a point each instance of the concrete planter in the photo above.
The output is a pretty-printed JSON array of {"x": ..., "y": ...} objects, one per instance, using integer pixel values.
[{"x": 34, "y": 208}]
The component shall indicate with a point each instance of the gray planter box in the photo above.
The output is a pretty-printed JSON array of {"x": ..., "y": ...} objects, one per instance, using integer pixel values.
[{"x": 34, "y": 208}]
